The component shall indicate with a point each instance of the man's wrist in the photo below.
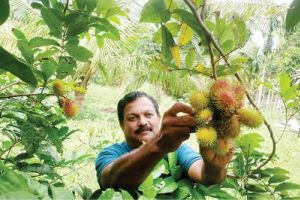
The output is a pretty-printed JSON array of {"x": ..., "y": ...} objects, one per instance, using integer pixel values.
[
  {"x": 154, "y": 147},
  {"x": 213, "y": 174}
]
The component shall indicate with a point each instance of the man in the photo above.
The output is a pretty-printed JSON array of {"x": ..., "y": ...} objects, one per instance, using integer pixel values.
[{"x": 148, "y": 138}]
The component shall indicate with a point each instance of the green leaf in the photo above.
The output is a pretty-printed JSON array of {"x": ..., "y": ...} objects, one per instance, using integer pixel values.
[
  {"x": 19, "y": 34},
  {"x": 185, "y": 187},
  {"x": 176, "y": 172},
  {"x": 275, "y": 171},
  {"x": 147, "y": 187},
  {"x": 111, "y": 31},
  {"x": 11, "y": 181},
  {"x": 293, "y": 15},
  {"x": 54, "y": 136},
  {"x": 249, "y": 142},
  {"x": 107, "y": 194},
  {"x": 4, "y": 11},
  {"x": 230, "y": 183},
  {"x": 46, "y": 3},
  {"x": 172, "y": 158},
  {"x": 79, "y": 53},
  {"x": 167, "y": 43},
  {"x": 190, "y": 20},
  {"x": 278, "y": 178},
  {"x": 46, "y": 54},
  {"x": 186, "y": 34},
  {"x": 66, "y": 66},
  {"x": 148, "y": 182},
  {"x": 169, "y": 185},
  {"x": 39, "y": 42},
  {"x": 91, "y": 5},
  {"x": 155, "y": 11},
  {"x": 48, "y": 68},
  {"x": 77, "y": 24},
  {"x": 239, "y": 166},
  {"x": 197, "y": 195},
  {"x": 240, "y": 31},
  {"x": 104, "y": 6},
  {"x": 173, "y": 27},
  {"x": 189, "y": 58},
  {"x": 160, "y": 168},
  {"x": 239, "y": 61},
  {"x": 100, "y": 41},
  {"x": 227, "y": 46},
  {"x": 53, "y": 21},
  {"x": 37, "y": 5},
  {"x": 255, "y": 188},
  {"x": 216, "y": 192},
  {"x": 26, "y": 51},
  {"x": 287, "y": 186},
  {"x": 18, "y": 195},
  {"x": 126, "y": 195},
  {"x": 284, "y": 82},
  {"x": 22, "y": 70},
  {"x": 60, "y": 193},
  {"x": 262, "y": 196}
]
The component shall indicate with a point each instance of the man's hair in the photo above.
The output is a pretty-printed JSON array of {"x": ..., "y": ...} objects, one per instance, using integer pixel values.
[{"x": 130, "y": 97}]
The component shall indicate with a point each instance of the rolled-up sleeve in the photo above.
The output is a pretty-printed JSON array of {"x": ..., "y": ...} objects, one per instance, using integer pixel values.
[
  {"x": 186, "y": 156},
  {"x": 108, "y": 155}
]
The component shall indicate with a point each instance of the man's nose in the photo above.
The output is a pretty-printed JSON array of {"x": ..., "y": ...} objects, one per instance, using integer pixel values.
[{"x": 142, "y": 121}]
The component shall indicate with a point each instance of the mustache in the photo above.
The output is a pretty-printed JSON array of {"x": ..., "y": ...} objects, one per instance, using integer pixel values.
[{"x": 142, "y": 129}]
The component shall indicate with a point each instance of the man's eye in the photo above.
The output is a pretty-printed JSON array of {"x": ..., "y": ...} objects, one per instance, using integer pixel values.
[
  {"x": 131, "y": 118},
  {"x": 149, "y": 114}
]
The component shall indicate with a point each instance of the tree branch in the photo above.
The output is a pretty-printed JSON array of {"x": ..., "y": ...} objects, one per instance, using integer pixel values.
[
  {"x": 24, "y": 95},
  {"x": 203, "y": 8},
  {"x": 217, "y": 46}
]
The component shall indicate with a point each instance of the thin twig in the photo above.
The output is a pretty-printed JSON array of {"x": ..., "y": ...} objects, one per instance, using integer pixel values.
[
  {"x": 217, "y": 46},
  {"x": 9, "y": 149},
  {"x": 66, "y": 6},
  {"x": 9, "y": 85},
  {"x": 227, "y": 54},
  {"x": 24, "y": 95},
  {"x": 212, "y": 61},
  {"x": 189, "y": 70}
]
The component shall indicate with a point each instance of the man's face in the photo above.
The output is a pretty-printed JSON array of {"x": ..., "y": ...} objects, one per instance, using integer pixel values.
[{"x": 141, "y": 122}]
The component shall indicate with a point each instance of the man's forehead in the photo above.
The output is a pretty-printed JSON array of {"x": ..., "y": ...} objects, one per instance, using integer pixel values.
[{"x": 140, "y": 104}]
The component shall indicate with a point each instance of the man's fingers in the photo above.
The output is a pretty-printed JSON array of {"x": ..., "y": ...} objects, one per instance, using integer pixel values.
[
  {"x": 184, "y": 120},
  {"x": 180, "y": 107}
]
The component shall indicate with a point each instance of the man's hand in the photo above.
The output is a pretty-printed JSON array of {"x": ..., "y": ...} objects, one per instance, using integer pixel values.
[
  {"x": 214, "y": 166},
  {"x": 212, "y": 159},
  {"x": 177, "y": 124}
]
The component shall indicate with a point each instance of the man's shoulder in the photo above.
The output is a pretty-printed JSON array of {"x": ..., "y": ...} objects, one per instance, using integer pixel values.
[
  {"x": 120, "y": 147},
  {"x": 184, "y": 147}
]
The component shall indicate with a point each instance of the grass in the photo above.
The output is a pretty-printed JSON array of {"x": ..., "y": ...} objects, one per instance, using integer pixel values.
[{"x": 99, "y": 127}]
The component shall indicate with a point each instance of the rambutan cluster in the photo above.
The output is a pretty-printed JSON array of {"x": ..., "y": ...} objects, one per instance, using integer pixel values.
[
  {"x": 220, "y": 114},
  {"x": 69, "y": 106}
]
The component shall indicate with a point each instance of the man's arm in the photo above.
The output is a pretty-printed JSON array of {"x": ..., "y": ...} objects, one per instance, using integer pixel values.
[{"x": 131, "y": 169}]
